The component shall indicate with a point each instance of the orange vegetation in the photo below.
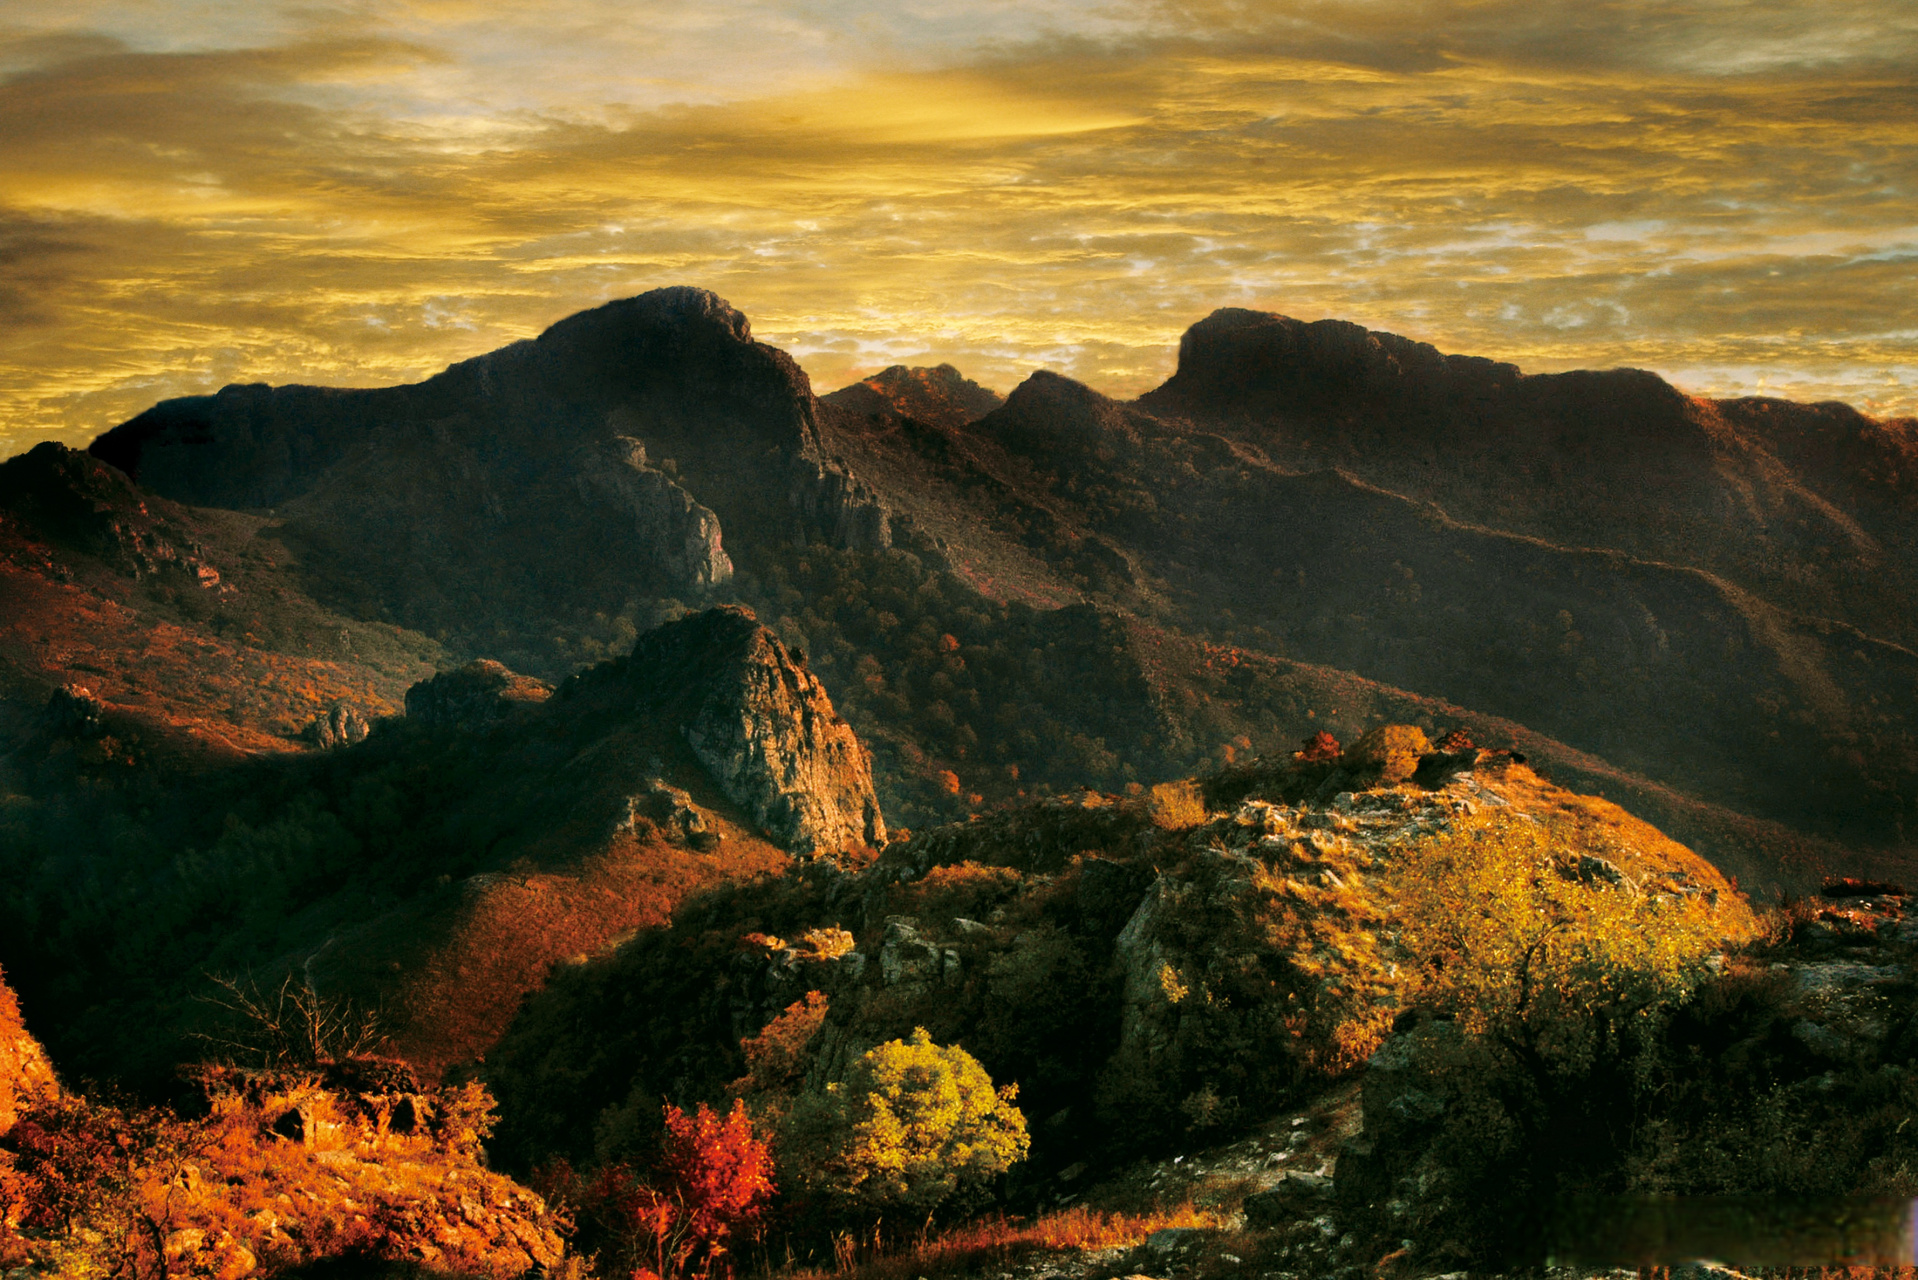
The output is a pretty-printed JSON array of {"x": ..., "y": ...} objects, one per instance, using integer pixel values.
[
  {"x": 995, "y": 1242},
  {"x": 510, "y": 929},
  {"x": 281, "y": 1172}
]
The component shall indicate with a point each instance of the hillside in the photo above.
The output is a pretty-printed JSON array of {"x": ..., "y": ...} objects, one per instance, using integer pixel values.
[
  {"x": 1708, "y": 601},
  {"x": 611, "y": 728}
]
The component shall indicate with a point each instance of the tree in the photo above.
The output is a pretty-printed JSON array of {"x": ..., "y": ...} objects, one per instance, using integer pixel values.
[
  {"x": 913, "y": 1126},
  {"x": 712, "y": 1182},
  {"x": 1561, "y": 972}
]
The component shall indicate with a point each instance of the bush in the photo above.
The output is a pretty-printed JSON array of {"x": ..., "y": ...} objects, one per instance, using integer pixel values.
[
  {"x": 712, "y": 1182},
  {"x": 914, "y": 1126}
]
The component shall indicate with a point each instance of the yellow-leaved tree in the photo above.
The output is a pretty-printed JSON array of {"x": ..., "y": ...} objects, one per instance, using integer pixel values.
[
  {"x": 1560, "y": 971},
  {"x": 914, "y": 1126},
  {"x": 1549, "y": 949}
]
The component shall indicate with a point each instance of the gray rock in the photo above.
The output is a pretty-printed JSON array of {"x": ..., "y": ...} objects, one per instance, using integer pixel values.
[
  {"x": 341, "y": 726},
  {"x": 907, "y": 957},
  {"x": 1296, "y": 1195},
  {"x": 845, "y": 511},
  {"x": 763, "y": 728},
  {"x": 680, "y": 537},
  {"x": 1171, "y": 1240},
  {"x": 673, "y": 812}
]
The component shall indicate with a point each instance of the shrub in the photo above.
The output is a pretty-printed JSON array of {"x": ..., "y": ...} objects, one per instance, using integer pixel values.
[
  {"x": 1174, "y": 806},
  {"x": 914, "y": 1126},
  {"x": 712, "y": 1182}
]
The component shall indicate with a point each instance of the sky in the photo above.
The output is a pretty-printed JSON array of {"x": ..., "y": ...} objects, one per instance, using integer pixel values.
[{"x": 359, "y": 193}]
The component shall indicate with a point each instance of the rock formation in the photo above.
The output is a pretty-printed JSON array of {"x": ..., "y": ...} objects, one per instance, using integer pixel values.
[
  {"x": 761, "y": 724},
  {"x": 832, "y": 501},
  {"x": 681, "y": 536}
]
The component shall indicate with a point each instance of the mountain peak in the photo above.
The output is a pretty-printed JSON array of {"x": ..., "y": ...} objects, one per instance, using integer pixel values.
[{"x": 940, "y": 397}]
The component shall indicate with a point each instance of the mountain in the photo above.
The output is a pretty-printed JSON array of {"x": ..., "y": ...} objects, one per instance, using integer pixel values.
[
  {"x": 610, "y": 718},
  {"x": 1309, "y": 527},
  {"x": 432, "y": 871},
  {"x": 1711, "y": 598}
]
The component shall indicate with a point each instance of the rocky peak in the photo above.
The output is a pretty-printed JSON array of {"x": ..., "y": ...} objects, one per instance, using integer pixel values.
[
  {"x": 76, "y": 501},
  {"x": 759, "y": 723},
  {"x": 940, "y": 397},
  {"x": 25, "y": 1074}
]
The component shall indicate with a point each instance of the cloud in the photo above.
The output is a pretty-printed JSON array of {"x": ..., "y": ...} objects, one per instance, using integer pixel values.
[{"x": 370, "y": 193}]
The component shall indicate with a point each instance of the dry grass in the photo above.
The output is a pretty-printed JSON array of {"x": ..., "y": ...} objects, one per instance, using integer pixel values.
[{"x": 999, "y": 1241}]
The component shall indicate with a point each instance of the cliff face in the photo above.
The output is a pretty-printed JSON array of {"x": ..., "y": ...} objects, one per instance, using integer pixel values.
[
  {"x": 759, "y": 723},
  {"x": 25, "y": 1073}
]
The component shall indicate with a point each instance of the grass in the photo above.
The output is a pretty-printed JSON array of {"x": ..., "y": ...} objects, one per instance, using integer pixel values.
[{"x": 999, "y": 1241}]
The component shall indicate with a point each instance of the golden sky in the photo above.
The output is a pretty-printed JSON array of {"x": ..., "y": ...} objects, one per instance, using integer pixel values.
[{"x": 194, "y": 193}]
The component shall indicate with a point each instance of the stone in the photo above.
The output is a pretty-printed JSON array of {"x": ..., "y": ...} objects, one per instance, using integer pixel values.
[
  {"x": 907, "y": 957},
  {"x": 844, "y": 511},
  {"x": 1171, "y": 1240},
  {"x": 679, "y": 537},
  {"x": 341, "y": 725},
  {"x": 672, "y": 811},
  {"x": 763, "y": 728},
  {"x": 1295, "y": 1195},
  {"x": 73, "y": 712}
]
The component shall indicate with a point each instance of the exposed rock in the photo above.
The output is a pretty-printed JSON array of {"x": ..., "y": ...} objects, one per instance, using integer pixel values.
[
  {"x": 341, "y": 726},
  {"x": 477, "y": 694},
  {"x": 1296, "y": 1194},
  {"x": 845, "y": 512},
  {"x": 762, "y": 726},
  {"x": 905, "y": 957},
  {"x": 25, "y": 1074},
  {"x": 673, "y": 812},
  {"x": 681, "y": 536}
]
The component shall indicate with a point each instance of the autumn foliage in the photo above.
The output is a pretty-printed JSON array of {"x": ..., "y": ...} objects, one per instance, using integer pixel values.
[{"x": 711, "y": 1185}]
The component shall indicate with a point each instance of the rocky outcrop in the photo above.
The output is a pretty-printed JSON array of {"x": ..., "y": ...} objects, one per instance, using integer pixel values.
[
  {"x": 26, "y": 1076},
  {"x": 478, "y": 694},
  {"x": 73, "y": 711},
  {"x": 82, "y": 504},
  {"x": 761, "y": 725},
  {"x": 342, "y": 725},
  {"x": 681, "y": 536},
  {"x": 832, "y": 502}
]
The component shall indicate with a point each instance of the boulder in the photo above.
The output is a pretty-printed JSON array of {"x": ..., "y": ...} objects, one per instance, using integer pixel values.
[{"x": 1296, "y": 1195}]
